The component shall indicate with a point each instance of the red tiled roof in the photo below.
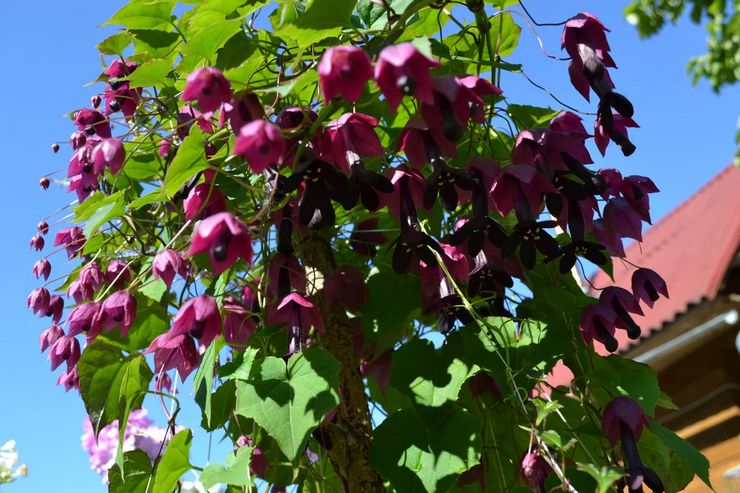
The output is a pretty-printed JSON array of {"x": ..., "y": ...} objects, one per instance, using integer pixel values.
[{"x": 691, "y": 248}]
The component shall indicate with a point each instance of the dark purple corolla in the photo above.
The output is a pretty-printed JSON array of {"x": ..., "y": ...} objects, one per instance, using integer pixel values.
[
  {"x": 647, "y": 286},
  {"x": 598, "y": 323},
  {"x": 623, "y": 421}
]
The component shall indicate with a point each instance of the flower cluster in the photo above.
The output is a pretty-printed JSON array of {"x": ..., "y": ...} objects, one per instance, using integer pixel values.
[{"x": 228, "y": 253}]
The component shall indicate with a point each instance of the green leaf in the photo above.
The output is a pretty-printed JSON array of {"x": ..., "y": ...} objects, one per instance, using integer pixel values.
[
  {"x": 234, "y": 472},
  {"x": 505, "y": 33},
  {"x": 241, "y": 366},
  {"x": 527, "y": 117},
  {"x": 138, "y": 469},
  {"x": 90, "y": 206},
  {"x": 424, "y": 449},
  {"x": 304, "y": 36},
  {"x": 430, "y": 376},
  {"x": 140, "y": 166},
  {"x": 151, "y": 198},
  {"x": 151, "y": 320},
  {"x": 111, "y": 384},
  {"x": 388, "y": 312},
  {"x": 190, "y": 160},
  {"x": 107, "y": 209},
  {"x": 203, "y": 380},
  {"x": 626, "y": 377},
  {"x": 694, "y": 459},
  {"x": 115, "y": 44},
  {"x": 174, "y": 463},
  {"x": 604, "y": 476},
  {"x": 150, "y": 74},
  {"x": 290, "y": 402},
  {"x": 323, "y": 14},
  {"x": 152, "y": 14},
  {"x": 206, "y": 42}
]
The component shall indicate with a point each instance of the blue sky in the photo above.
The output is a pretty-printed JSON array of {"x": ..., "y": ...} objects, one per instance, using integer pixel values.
[{"x": 48, "y": 53}]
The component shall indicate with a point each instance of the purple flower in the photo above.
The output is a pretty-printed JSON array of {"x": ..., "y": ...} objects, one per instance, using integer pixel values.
[
  {"x": 635, "y": 190},
  {"x": 55, "y": 308},
  {"x": 44, "y": 182},
  {"x": 365, "y": 237},
  {"x": 623, "y": 303},
  {"x": 622, "y": 220},
  {"x": 534, "y": 469},
  {"x": 519, "y": 187},
  {"x": 415, "y": 189},
  {"x": 91, "y": 277},
  {"x": 300, "y": 314},
  {"x": 120, "y": 68},
  {"x": 402, "y": 70},
  {"x": 412, "y": 244},
  {"x": 166, "y": 264},
  {"x": 70, "y": 378},
  {"x": 72, "y": 239},
  {"x": 351, "y": 137},
  {"x": 117, "y": 273},
  {"x": 456, "y": 100},
  {"x": 584, "y": 40},
  {"x": 198, "y": 317},
  {"x": 245, "y": 108},
  {"x": 482, "y": 382},
  {"x": 613, "y": 126},
  {"x": 174, "y": 350},
  {"x": 109, "y": 152},
  {"x": 79, "y": 291},
  {"x": 83, "y": 318},
  {"x": 189, "y": 115},
  {"x": 344, "y": 70},
  {"x": 37, "y": 243},
  {"x": 261, "y": 144},
  {"x": 225, "y": 238},
  {"x": 209, "y": 87},
  {"x": 346, "y": 287},
  {"x": 239, "y": 323},
  {"x": 38, "y": 300},
  {"x": 49, "y": 337},
  {"x": 119, "y": 96},
  {"x": 93, "y": 122},
  {"x": 322, "y": 184},
  {"x": 66, "y": 348},
  {"x": 647, "y": 286},
  {"x": 597, "y": 323},
  {"x": 284, "y": 274},
  {"x": 624, "y": 420},
  {"x": 117, "y": 309},
  {"x": 420, "y": 142},
  {"x": 42, "y": 227},
  {"x": 55, "y": 148},
  {"x": 204, "y": 200}
]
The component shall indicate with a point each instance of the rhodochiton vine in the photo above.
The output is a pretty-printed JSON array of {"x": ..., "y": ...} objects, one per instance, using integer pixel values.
[{"x": 367, "y": 260}]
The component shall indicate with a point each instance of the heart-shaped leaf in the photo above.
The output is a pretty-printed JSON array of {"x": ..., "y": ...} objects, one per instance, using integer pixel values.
[{"x": 290, "y": 401}]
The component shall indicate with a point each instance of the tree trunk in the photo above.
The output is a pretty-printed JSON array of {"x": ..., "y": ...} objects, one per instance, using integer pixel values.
[{"x": 350, "y": 433}]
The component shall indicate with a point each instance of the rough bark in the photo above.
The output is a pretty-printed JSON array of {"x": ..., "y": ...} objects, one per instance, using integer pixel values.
[{"x": 350, "y": 433}]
